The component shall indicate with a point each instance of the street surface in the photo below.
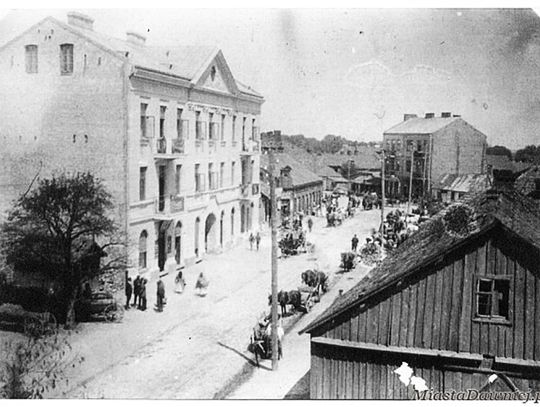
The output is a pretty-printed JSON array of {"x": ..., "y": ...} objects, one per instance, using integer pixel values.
[{"x": 194, "y": 347}]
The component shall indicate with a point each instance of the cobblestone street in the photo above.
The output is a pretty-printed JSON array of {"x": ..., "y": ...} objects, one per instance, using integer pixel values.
[{"x": 197, "y": 344}]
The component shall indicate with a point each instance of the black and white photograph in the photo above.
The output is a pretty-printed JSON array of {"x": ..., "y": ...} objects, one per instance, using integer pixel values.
[{"x": 270, "y": 203}]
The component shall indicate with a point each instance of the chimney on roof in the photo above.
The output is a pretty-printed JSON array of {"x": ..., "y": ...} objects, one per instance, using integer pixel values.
[
  {"x": 135, "y": 38},
  {"x": 80, "y": 20},
  {"x": 430, "y": 115},
  {"x": 408, "y": 116},
  {"x": 457, "y": 115},
  {"x": 446, "y": 114}
]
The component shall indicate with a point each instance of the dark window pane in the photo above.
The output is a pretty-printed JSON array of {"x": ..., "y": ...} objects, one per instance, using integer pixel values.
[
  {"x": 485, "y": 285},
  {"x": 500, "y": 302},
  {"x": 483, "y": 304}
]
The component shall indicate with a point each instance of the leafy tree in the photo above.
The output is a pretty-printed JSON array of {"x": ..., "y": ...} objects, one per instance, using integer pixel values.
[
  {"x": 55, "y": 228},
  {"x": 529, "y": 154},
  {"x": 499, "y": 150}
]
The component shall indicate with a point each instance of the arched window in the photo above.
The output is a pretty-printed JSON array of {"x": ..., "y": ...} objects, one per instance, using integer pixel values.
[
  {"x": 232, "y": 222},
  {"x": 142, "y": 249}
]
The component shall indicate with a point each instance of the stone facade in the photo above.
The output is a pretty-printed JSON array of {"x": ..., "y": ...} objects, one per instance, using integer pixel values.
[
  {"x": 431, "y": 147},
  {"x": 178, "y": 152}
]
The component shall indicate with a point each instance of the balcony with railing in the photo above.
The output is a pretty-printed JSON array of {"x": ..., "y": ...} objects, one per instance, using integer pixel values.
[
  {"x": 165, "y": 205},
  {"x": 250, "y": 147},
  {"x": 178, "y": 146}
]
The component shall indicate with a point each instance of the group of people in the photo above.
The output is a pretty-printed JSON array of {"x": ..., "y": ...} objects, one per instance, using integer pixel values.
[
  {"x": 138, "y": 290},
  {"x": 254, "y": 239}
]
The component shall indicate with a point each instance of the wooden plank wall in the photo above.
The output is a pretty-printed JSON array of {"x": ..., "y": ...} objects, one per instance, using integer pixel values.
[
  {"x": 366, "y": 378},
  {"x": 437, "y": 310}
]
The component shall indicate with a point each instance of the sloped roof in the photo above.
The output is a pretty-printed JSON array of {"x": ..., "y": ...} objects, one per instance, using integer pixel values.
[
  {"x": 511, "y": 209},
  {"x": 420, "y": 125},
  {"x": 330, "y": 173},
  {"x": 300, "y": 174},
  {"x": 466, "y": 183},
  {"x": 184, "y": 61},
  {"x": 527, "y": 183}
]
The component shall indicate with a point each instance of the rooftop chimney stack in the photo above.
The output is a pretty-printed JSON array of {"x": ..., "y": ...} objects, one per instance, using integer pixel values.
[
  {"x": 135, "y": 38},
  {"x": 408, "y": 116},
  {"x": 80, "y": 20},
  {"x": 446, "y": 114},
  {"x": 430, "y": 115}
]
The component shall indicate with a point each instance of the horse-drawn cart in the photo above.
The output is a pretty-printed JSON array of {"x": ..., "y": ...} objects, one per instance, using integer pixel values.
[{"x": 99, "y": 305}]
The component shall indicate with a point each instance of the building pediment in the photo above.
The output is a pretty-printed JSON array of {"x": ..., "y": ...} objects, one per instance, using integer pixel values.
[{"x": 217, "y": 76}]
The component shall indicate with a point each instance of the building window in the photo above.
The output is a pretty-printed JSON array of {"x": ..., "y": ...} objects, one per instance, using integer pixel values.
[
  {"x": 213, "y": 73},
  {"x": 221, "y": 174},
  {"x": 31, "y": 58},
  {"x": 243, "y": 128},
  {"x": 199, "y": 179},
  {"x": 233, "y": 128},
  {"x": 162, "y": 112},
  {"x": 142, "y": 249},
  {"x": 233, "y": 168},
  {"x": 200, "y": 127},
  {"x": 232, "y": 222},
  {"x": 222, "y": 127},
  {"x": 178, "y": 179},
  {"x": 142, "y": 184},
  {"x": 492, "y": 297},
  {"x": 66, "y": 59},
  {"x": 144, "y": 133},
  {"x": 179, "y": 132}
]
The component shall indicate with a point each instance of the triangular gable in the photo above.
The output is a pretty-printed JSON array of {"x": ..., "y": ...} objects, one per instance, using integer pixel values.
[{"x": 216, "y": 75}]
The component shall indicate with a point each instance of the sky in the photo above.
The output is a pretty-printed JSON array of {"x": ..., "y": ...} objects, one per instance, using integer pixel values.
[{"x": 355, "y": 72}]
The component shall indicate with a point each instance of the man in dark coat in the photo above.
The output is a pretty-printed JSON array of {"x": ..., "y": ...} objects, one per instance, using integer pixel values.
[
  {"x": 136, "y": 291},
  {"x": 354, "y": 243},
  {"x": 160, "y": 294},
  {"x": 129, "y": 290},
  {"x": 142, "y": 295}
]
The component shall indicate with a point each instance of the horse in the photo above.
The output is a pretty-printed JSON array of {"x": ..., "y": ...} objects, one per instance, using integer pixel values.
[
  {"x": 314, "y": 278},
  {"x": 285, "y": 298}
]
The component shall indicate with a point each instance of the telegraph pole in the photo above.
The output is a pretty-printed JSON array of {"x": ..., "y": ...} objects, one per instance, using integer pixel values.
[
  {"x": 382, "y": 191},
  {"x": 410, "y": 181},
  {"x": 273, "y": 225}
]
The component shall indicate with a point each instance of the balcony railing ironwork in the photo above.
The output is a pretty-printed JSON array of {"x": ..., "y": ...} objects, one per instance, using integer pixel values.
[
  {"x": 178, "y": 146},
  {"x": 161, "y": 145}
]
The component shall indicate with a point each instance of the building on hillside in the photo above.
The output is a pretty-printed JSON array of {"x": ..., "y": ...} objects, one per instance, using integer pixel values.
[
  {"x": 430, "y": 147},
  {"x": 331, "y": 178},
  {"x": 452, "y": 187},
  {"x": 170, "y": 130},
  {"x": 300, "y": 190},
  {"x": 457, "y": 302}
]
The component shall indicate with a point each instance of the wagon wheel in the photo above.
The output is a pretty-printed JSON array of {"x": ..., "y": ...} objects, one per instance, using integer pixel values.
[
  {"x": 33, "y": 326},
  {"x": 49, "y": 324},
  {"x": 110, "y": 313}
]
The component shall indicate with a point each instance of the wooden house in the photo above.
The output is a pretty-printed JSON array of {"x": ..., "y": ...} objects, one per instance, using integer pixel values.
[{"x": 459, "y": 302}]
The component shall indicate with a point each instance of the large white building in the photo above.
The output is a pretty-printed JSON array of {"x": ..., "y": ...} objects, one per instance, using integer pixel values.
[{"x": 170, "y": 130}]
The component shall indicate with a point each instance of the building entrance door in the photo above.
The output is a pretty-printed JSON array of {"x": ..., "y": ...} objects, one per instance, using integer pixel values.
[
  {"x": 162, "y": 254},
  {"x": 210, "y": 233}
]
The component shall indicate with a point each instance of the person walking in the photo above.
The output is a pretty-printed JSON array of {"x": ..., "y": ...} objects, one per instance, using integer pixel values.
[
  {"x": 160, "y": 294},
  {"x": 201, "y": 285},
  {"x": 310, "y": 224},
  {"x": 354, "y": 243},
  {"x": 142, "y": 295},
  {"x": 179, "y": 283},
  {"x": 129, "y": 290},
  {"x": 136, "y": 291},
  {"x": 251, "y": 240},
  {"x": 257, "y": 240}
]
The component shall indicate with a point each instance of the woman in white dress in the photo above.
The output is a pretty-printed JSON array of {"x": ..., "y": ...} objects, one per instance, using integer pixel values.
[{"x": 179, "y": 283}]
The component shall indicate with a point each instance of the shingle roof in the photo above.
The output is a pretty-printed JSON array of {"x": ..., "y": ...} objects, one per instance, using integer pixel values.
[
  {"x": 466, "y": 183},
  {"x": 511, "y": 209},
  {"x": 420, "y": 125},
  {"x": 527, "y": 183},
  {"x": 184, "y": 61},
  {"x": 300, "y": 175}
]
